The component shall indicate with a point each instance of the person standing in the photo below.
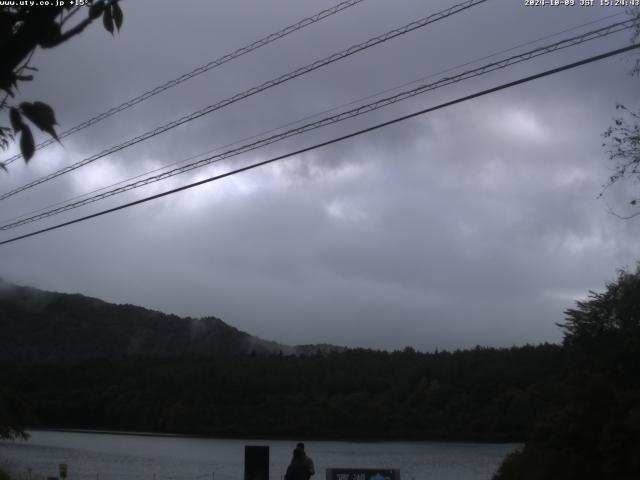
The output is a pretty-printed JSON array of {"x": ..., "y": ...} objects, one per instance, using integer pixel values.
[
  {"x": 307, "y": 459},
  {"x": 298, "y": 469}
]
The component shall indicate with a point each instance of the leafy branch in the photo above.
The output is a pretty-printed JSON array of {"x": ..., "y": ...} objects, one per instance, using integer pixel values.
[{"x": 22, "y": 30}]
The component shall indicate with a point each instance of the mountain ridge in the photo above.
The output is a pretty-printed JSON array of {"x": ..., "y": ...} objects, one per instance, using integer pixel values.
[{"x": 43, "y": 325}]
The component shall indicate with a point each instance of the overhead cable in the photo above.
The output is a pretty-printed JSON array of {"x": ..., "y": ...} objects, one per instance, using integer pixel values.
[
  {"x": 197, "y": 71},
  {"x": 252, "y": 91},
  {"x": 309, "y": 117},
  {"x": 330, "y": 142},
  {"x": 488, "y": 68}
]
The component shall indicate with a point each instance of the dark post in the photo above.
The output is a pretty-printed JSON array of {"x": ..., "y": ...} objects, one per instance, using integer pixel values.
[{"x": 256, "y": 463}]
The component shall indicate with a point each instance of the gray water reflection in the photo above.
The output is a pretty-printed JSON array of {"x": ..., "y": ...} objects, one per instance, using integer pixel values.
[{"x": 92, "y": 456}]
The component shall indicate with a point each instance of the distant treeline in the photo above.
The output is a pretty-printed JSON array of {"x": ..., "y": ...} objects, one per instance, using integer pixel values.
[
  {"x": 78, "y": 362},
  {"x": 118, "y": 367},
  {"x": 484, "y": 394}
]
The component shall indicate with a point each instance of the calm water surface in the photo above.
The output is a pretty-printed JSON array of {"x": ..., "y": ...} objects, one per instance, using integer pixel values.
[{"x": 92, "y": 456}]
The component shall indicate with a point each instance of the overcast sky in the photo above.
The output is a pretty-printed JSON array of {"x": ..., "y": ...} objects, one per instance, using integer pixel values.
[{"x": 475, "y": 224}]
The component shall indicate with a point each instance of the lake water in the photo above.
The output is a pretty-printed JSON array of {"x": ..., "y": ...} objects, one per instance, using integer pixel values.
[{"x": 94, "y": 456}]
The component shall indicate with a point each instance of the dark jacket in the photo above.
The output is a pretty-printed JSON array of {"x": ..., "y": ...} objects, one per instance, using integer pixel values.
[{"x": 298, "y": 469}]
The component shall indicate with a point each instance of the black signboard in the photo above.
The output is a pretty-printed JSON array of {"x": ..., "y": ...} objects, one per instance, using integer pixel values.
[
  {"x": 256, "y": 463},
  {"x": 362, "y": 474}
]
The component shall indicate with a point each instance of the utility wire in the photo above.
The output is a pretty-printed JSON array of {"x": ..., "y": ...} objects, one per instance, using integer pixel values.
[
  {"x": 332, "y": 141},
  {"x": 491, "y": 67},
  {"x": 309, "y": 117},
  {"x": 197, "y": 71},
  {"x": 252, "y": 91}
]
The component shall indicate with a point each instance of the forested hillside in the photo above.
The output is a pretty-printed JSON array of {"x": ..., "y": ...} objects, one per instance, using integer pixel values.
[
  {"x": 481, "y": 394},
  {"x": 72, "y": 361},
  {"x": 39, "y": 325}
]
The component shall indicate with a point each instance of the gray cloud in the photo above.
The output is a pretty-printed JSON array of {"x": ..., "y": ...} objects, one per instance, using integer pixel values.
[{"x": 477, "y": 224}]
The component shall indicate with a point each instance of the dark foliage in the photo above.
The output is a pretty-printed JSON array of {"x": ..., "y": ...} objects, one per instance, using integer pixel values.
[
  {"x": 596, "y": 433},
  {"x": 23, "y": 28},
  {"x": 4, "y": 475},
  {"x": 622, "y": 138},
  {"x": 622, "y": 142},
  {"x": 483, "y": 394},
  {"x": 14, "y": 415}
]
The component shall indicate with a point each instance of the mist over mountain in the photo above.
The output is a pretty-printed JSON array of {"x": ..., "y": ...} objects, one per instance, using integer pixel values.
[
  {"x": 79, "y": 362},
  {"x": 41, "y": 325}
]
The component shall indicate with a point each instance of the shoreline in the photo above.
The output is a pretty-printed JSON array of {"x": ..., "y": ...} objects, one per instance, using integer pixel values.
[{"x": 258, "y": 438}]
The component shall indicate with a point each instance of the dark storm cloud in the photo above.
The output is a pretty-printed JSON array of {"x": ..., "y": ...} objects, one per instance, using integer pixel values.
[{"x": 476, "y": 224}]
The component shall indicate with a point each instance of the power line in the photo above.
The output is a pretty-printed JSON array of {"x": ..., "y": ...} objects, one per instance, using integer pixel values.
[
  {"x": 614, "y": 28},
  {"x": 252, "y": 91},
  {"x": 332, "y": 141},
  {"x": 317, "y": 114},
  {"x": 197, "y": 71},
  {"x": 491, "y": 67},
  {"x": 309, "y": 117}
]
